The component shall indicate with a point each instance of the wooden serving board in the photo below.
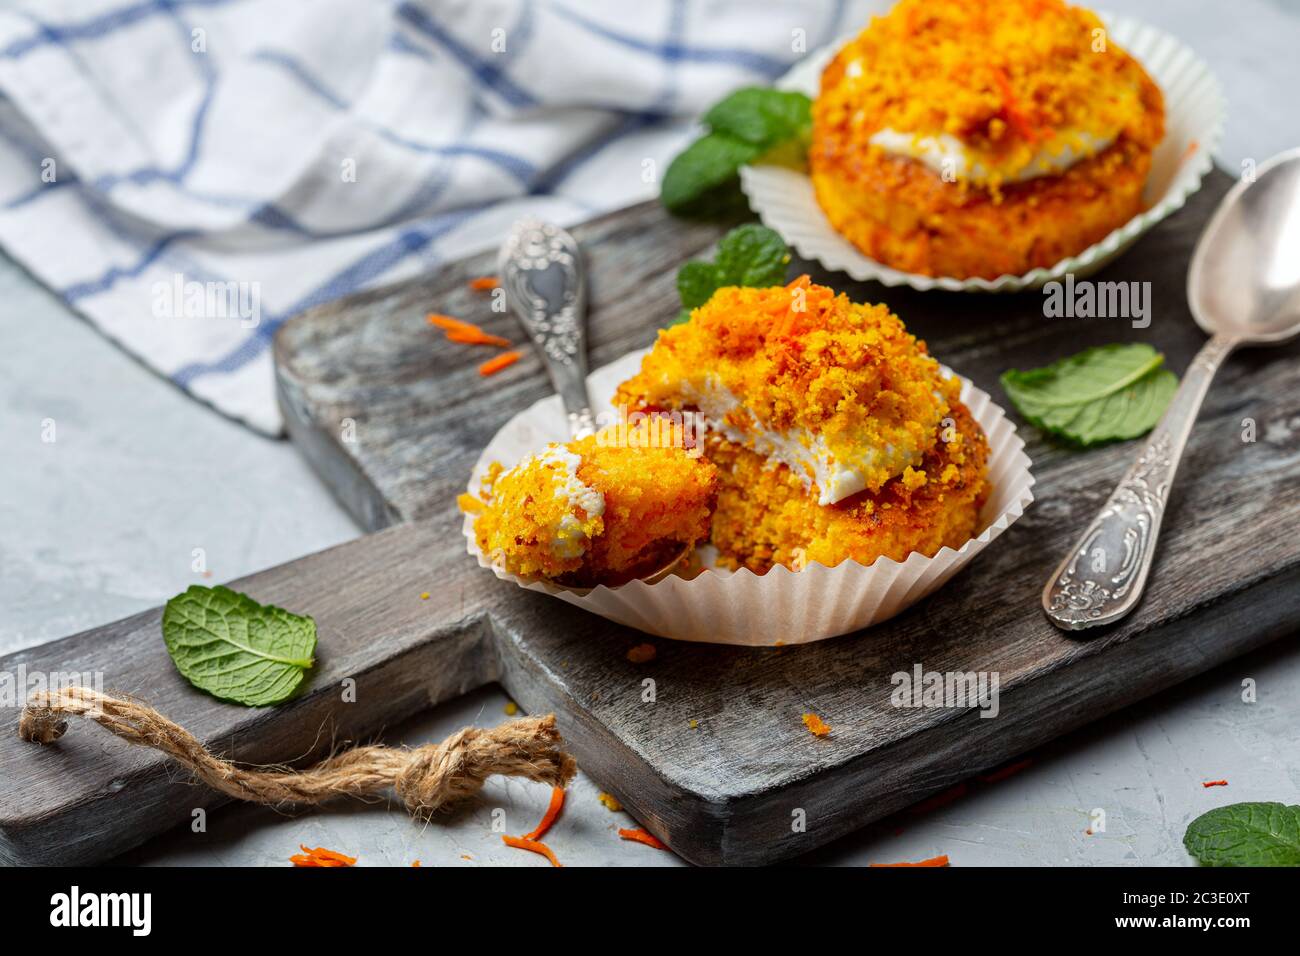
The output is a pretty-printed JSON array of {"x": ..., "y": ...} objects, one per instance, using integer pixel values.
[{"x": 719, "y": 764}]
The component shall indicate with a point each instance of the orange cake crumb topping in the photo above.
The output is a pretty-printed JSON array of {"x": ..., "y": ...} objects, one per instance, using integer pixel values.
[
  {"x": 841, "y": 393},
  {"x": 816, "y": 726},
  {"x": 641, "y": 653},
  {"x": 1013, "y": 86}
]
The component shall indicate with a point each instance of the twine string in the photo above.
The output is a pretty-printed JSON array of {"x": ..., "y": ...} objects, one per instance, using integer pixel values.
[{"x": 427, "y": 778}]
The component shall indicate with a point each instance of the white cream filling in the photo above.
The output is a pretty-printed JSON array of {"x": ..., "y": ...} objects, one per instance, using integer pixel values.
[
  {"x": 947, "y": 154},
  {"x": 835, "y": 479},
  {"x": 567, "y": 537}
]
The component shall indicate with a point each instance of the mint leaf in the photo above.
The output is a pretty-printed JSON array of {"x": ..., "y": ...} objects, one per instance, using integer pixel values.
[
  {"x": 697, "y": 280},
  {"x": 1246, "y": 834},
  {"x": 749, "y": 255},
  {"x": 750, "y": 124},
  {"x": 752, "y": 255},
  {"x": 762, "y": 116},
  {"x": 227, "y": 644},
  {"x": 709, "y": 165},
  {"x": 1101, "y": 394}
]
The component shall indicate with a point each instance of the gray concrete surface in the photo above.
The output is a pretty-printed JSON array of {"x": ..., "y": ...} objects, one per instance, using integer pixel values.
[{"x": 103, "y": 522}]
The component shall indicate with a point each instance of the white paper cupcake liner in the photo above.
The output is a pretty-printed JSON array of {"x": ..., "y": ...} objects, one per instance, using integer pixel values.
[
  {"x": 1195, "y": 111},
  {"x": 782, "y": 606}
]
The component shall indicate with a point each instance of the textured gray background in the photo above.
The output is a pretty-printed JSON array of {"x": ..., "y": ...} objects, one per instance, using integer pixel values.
[{"x": 103, "y": 523}]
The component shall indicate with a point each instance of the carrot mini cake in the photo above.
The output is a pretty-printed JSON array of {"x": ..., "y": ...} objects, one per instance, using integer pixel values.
[
  {"x": 834, "y": 434},
  {"x": 603, "y": 509},
  {"x": 974, "y": 138},
  {"x": 765, "y": 517}
]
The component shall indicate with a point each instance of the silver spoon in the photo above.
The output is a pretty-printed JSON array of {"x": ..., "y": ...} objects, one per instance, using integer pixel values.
[
  {"x": 541, "y": 269},
  {"x": 1244, "y": 289}
]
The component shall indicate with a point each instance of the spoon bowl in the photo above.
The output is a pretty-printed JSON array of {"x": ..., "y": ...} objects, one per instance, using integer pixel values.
[{"x": 1244, "y": 280}]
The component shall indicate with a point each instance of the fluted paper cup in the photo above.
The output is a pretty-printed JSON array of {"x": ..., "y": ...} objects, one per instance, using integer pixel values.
[
  {"x": 782, "y": 606},
  {"x": 1195, "y": 112}
]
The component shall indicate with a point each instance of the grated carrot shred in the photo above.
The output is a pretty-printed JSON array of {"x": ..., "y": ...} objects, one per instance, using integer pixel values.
[
  {"x": 466, "y": 333},
  {"x": 1012, "y": 109},
  {"x": 642, "y": 836},
  {"x": 788, "y": 322},
  {"x": 448, "y": 324},
  {"x": 1215, "y": 783},
  {"x": 319, "y": 856},
  {"x": 523, "y": 843},
  {"x": 478, "y": 338},
  {"x": 332, "y": 855},
  {"x": 933, "y": 861},
  {"x": 484, "y": 283},
  {"x": 494, "y": 365},
  {"x": 552, "y": 811}
]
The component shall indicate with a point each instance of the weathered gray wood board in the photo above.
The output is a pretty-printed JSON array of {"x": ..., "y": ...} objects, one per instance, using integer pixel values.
[{"x": 1227, "y": 580}]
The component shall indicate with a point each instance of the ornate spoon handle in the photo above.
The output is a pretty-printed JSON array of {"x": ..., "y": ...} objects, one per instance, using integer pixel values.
[
  {"x": 1103, "y": 578},
  {"x": 542, "y": 273}
]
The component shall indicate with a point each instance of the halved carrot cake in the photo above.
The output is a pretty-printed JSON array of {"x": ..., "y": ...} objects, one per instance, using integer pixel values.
[
  {"x": 834, "y": 433},
  {"x": 600, "y": 510},
  {"x": 838, "y": 392},
  {"x": 765, "y": 516},
  {"x": 980, "y": 137}
]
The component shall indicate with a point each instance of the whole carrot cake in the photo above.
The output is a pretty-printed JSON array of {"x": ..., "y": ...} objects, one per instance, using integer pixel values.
[
  {"x": 600, "y": 510},
  {"x": 834, "y": 434},
  {"x": 971, "y": 138}
]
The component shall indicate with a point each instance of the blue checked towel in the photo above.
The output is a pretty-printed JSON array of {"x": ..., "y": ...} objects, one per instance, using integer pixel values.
[{"x": 188, "y": 174}]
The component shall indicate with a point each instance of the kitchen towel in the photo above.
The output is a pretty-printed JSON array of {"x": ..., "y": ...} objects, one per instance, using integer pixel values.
[{"x": 189, "y": 174}]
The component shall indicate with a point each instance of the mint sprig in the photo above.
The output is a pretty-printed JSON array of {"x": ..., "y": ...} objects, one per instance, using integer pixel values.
[
  {"x": 1102, "y": 394},
  {"x": 761, "y": 116},
  {"x": 751, "y": 124},
  {"x": 1246, "y": 834},
  {"x": 749, "y": 255},
  {"x": 227, "y": 644}
]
